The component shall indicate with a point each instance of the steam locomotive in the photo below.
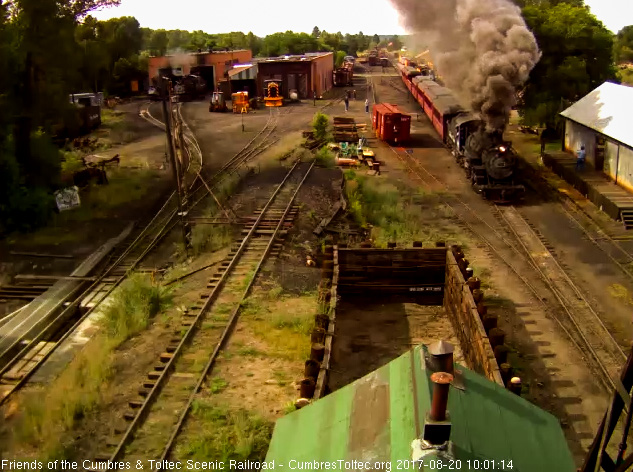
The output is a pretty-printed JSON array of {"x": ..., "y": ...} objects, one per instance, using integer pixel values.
[{"x": 490, "y": 163}]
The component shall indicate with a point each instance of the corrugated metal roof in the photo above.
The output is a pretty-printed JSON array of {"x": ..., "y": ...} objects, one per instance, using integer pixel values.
[
  {"x": 245, "y": 72},
  {"x": 608, "y": 110},
  {"x": 377, "y": 417}
]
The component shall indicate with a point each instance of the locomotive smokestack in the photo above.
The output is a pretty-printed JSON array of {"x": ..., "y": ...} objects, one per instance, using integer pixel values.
[{"x": 482, "y": 48}]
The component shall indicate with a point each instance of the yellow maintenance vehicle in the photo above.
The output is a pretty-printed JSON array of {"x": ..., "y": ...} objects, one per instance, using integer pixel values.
[
  {"x": 272, "y": 94},
  {"x": 217, "y": 103},
  {"x": 240, "y": 102}
]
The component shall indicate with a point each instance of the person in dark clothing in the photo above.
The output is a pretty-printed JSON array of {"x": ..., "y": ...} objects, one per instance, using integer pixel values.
[
  {"x": 548, "y": 135},
  {"x": 580, "y": 159}
]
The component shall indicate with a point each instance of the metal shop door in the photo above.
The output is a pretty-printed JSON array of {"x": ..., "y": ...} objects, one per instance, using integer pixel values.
[{"x": 303, "y": 86}]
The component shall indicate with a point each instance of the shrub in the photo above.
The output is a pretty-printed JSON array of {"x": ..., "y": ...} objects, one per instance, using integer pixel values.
[
  {"x": 320, "y": 126},
  {"x": 325, "y": 158},
  {"x": 131, "y": 310}
]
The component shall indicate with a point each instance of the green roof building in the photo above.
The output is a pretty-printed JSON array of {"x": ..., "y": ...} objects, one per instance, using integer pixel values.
[{"x": 378, "y": 423}]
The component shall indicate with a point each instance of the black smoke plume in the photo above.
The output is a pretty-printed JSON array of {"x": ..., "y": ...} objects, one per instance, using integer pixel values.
[{"x": 482, "y": 49}]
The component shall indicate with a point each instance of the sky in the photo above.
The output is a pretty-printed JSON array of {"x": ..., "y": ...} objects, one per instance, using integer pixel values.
[{"x": 265, "y": 17}]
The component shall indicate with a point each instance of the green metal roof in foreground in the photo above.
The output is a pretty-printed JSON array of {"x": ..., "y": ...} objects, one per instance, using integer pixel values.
[{"x": 375, "y": 420}]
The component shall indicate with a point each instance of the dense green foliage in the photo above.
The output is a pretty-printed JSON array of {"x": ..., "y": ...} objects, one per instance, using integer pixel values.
[
  {"x": 51, "y": 48},
  {"x": 577, "y": 57},
  {"x": 624, "y": 45},
  {"x": 158, "y": 42},
  {"x": 41, "y": 64}
]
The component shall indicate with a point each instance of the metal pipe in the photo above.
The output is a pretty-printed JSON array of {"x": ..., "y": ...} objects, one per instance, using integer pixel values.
[
  {"x": 442, "y": 383},
  {"x": 442, "y": 356}
]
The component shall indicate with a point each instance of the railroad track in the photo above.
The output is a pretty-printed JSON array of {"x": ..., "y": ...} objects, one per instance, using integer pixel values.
[
  {"x": 154, "y": 419},
  {"x": 572, "y": 312},
  {"x": 26, "y": 356}
]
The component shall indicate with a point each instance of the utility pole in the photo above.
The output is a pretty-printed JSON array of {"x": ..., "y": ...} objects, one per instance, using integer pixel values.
[{"x": 166, "y": 97}]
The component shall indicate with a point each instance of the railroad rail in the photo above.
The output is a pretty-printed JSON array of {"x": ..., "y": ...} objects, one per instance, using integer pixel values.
[
  {"x": 125, "y": 258},
  {"x": 581, "y": 323},
  {"x": 171, "y": 388},
  {"x": 583, "y": 326}
]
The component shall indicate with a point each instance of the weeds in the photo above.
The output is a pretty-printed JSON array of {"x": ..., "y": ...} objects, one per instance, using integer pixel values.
[
  {"x": 325, "y": 158},
  {"x": 284, "y": 325},
  {"x": 130, "y": 311},
  {"x": 209, "y": 238},
  {"x": 250, "y": 351},
  {"x": 77, "y": 391},
  {"x": 71, "y": 162},
  {"x": 390, "y": 212},
  {"x": 621, "y": 293},
  {"x": 275, "y": 292},
  {"x": 218, "y": 384},
  {"x": 72, "y": 396},
  {"x": 226, "y": 435}
]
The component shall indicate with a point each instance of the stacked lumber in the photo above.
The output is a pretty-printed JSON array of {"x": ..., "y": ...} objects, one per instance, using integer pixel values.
[{"x": 345, "y": 129}]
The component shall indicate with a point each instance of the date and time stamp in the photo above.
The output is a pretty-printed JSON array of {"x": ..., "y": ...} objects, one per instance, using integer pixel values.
[{"x": 455, "y": 464}]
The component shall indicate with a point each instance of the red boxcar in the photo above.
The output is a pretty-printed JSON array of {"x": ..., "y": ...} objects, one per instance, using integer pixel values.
[{"x": 391, "y": 124}]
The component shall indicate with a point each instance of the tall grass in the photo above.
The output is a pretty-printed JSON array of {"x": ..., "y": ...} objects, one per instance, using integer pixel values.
[
  {"x": 131, "y": 310},
  {"x": 209, "y": 238},
  {"x": 392, "y": 213},
  {"x": 325, "y": 158},
  {"x": 226, "y": 435},
  {"x": 77, "y": 392}
]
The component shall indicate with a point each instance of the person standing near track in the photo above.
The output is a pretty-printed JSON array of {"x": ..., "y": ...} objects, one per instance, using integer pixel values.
[
  {"x": 367, "y": 105},
  {"x": 580, "y": 159},
  {"x": 346, "y": 103}
]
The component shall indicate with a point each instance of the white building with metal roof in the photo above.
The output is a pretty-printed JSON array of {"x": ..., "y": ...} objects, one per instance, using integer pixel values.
[{"x": 602, "y": 121}]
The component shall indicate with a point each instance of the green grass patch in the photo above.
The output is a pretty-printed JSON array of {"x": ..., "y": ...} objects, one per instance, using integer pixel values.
[
  {"x": 46, "y": 416},
  {"x": 226, "y": 435},
  {"x": 98, "y": 202},
  {"x": 217, "y": 385},
  {"x": 393, "y": 213},
  {"x": 325, "y": 158},
  {"x": 250, "y": 351},
  {"x": 626, "y": 75},
  {"x": 285, "y": 324},
  {"x": 131, "y": 310},
  {"x": 209, "y": 238}
]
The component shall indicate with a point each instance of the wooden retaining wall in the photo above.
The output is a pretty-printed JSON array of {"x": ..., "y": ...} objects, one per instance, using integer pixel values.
[
  {"x": 433, "y": 276},
  {"x": 413, "y": 272},
  {"x": 464, "y": 313}
]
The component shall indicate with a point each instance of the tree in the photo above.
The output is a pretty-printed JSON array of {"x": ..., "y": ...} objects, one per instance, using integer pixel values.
[
  {"x": 624, "y": 45},
  {"x": 158, "y": 43},
  {"x": 394, "y": 43},
  {"x": 339, "y": 58},
  {"x": 320, "y": 126},
  {"x": 376, "y": 39},
  {"x": 316, "y": 32},
  {"x": 577, "y": 57}
]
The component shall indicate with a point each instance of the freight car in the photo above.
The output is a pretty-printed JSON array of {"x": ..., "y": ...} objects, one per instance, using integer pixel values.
[
  {"x": 81, "y": 117},
  {"x": 489, "y": 161},
  {"x": 391, "y": 124}
]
